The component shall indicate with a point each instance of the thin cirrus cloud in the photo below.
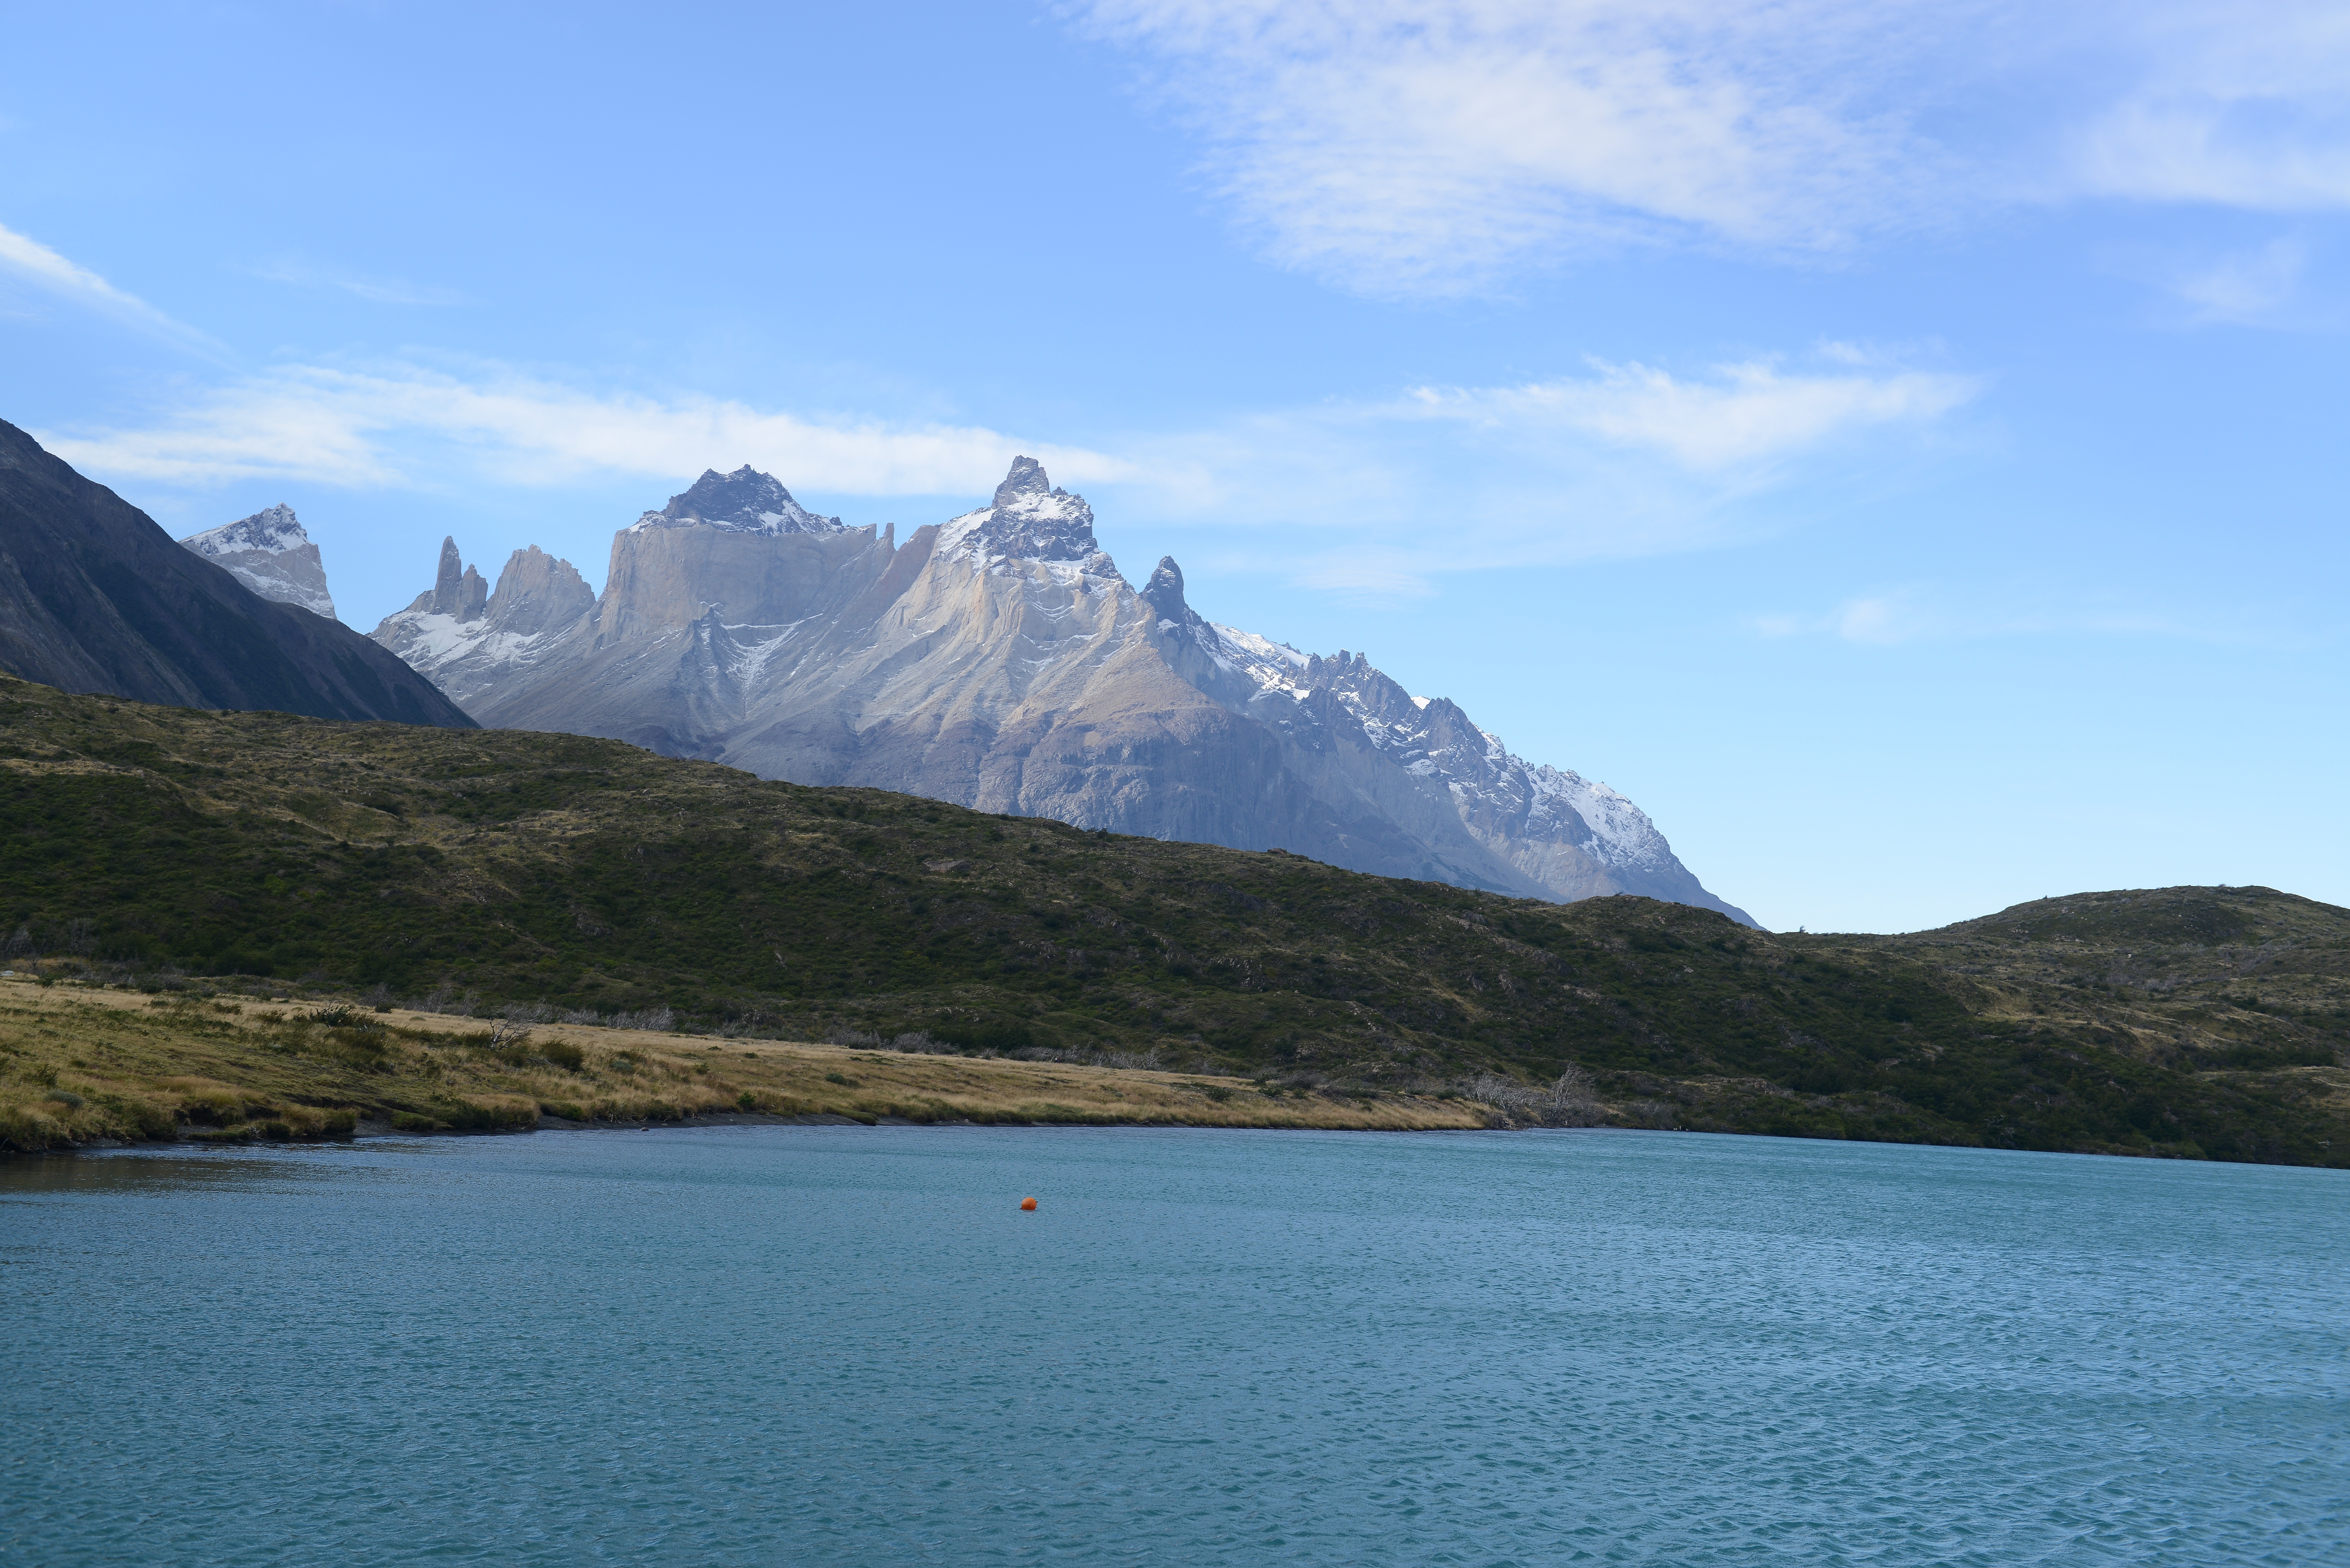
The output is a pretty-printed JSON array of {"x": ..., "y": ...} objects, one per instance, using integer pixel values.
[
  {"x": 375, "y": 290},
  {"x": 346, "y": 427},
  {"x": 2249, "y": 288},
  {"x": 2236, "y": 107},
  {"x": 1425, "y": 149},
  {"x": 1628, "y": 459},
  {"x": 1749, "y": 412},
  {"x": 1891, "y": 618},
  {"x": 349, "y": 427},
  {"x": 29, "y": 261},
  {"x": 1416, "y": 148}
]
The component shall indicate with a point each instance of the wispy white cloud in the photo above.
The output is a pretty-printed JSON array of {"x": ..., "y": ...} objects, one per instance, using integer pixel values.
[
  {"x": 375, "y": 290},
  {"x": 1403, "y": 147},
  {"x": 1383, "y": 499},
  {"x": 363, "y": 427},
  {"x": 1882, "y": 620},
  {"x": 1904, "y": 613},
  {"x": 1367, "y": 573},
  {"x": 1747, "y": 412},
  {"x": 27, "y": 258},
  {"x": 2251, "y": 287},
  {"x": 2237, "y": 107},
  {"x": 1442, "y": 146},
  {"x": 1378, "y": 499}
]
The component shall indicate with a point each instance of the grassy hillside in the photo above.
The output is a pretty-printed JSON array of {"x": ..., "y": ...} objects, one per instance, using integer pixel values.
[{"x": 572, "y": 878}]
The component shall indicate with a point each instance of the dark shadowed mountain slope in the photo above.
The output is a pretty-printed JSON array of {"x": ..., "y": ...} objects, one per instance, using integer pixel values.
[{"x": 95, "y": 597}]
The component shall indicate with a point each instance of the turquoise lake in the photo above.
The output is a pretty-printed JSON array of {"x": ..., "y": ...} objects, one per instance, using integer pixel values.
[{"x": 849, "y": 1346}]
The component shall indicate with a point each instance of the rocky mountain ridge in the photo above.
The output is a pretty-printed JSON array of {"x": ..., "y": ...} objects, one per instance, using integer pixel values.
[
  {"x": 96, "y": 597},
  {"x": 744, "y": 501},
  {"x": 1000, "y": 661},
  {"x": 272, "y": 553}
]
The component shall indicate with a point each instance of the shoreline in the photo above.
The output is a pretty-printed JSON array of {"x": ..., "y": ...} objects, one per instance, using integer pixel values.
[
  {"x": 92, "y": 1065},
  {"x": 371, "y": 1132},
  {"x": 84, "y": 1066}
]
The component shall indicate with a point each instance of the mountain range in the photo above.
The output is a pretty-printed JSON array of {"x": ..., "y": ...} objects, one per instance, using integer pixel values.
[
  {"x": 94, "y": 597},
  {"x": 1000, "y": 661}
]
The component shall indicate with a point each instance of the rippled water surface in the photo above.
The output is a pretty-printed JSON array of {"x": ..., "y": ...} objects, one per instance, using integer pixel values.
[{"x": 816, "y": 1344}]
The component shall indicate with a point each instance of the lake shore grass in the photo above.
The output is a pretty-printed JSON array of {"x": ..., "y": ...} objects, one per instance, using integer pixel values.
[{"x": 85, "y": 1065}]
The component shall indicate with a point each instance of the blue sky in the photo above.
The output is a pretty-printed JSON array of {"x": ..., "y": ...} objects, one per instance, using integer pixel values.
[{"x": 1899, "y": 445}]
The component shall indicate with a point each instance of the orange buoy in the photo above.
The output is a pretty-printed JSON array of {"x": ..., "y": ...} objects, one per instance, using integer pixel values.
[{"x": 1027, "y": 1206}]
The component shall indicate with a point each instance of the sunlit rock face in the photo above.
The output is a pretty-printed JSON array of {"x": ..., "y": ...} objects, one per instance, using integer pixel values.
[{"x": 999, "y": 660}]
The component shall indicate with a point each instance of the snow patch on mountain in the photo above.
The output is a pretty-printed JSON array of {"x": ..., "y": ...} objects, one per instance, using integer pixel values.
[
  {"x": 1262, "y": 650},
  {"x": 1622, "y": 836},
  {"x": 439, "y": 646},
  {"x": 465, "y": 640},
  {"x": 747, "y": 657},
  {"x": 1277, "y": 668},
  {"x": 274, "y": 529}
]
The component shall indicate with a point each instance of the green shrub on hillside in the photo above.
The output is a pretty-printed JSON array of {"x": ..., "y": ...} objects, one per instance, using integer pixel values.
[{"x": 557, "y": 877}]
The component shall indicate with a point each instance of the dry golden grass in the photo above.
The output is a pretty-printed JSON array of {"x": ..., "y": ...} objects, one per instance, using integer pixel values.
[{"x": 83, "y": 1064}]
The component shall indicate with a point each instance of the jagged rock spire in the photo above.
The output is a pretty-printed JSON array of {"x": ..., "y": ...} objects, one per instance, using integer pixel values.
[
  {"x": 447, "y": 586},
  {"x": 1027, "y": 478},
  {"x": 458, "y": 589},
  {"x": 1164, "y": 592}
]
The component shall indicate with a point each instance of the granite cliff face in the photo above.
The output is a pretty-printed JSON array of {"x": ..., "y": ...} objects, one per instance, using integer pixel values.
[
  {"x": 94, "y": 597},
  {"x": 999, "y": 660},
  {"x": 270, "y": 553}
]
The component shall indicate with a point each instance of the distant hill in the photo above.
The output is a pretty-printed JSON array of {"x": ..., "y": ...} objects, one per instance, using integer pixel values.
[
  {"x": 999, "y": 660},
  {"x": 95, "y": 597},
  {"x": 584, "y": 876}
]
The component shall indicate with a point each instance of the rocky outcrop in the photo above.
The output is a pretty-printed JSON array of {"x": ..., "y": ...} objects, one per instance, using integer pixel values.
[
  {"x": 471, "y": 640},
  {"x": 270, "y": 553},
  {"x": 95, "y": 597},
  {"x": 999, "y": 660},
  {"x": 538, "y": 593},
  {"x": 743, "y": 501}
]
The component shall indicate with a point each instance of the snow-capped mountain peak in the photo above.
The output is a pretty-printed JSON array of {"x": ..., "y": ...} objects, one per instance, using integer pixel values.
[
  {"x": 271, "y": 554},
  {"x": 1029, "y": 521},
  {"x": 744, "y": 501},
  {"x": 274, "y": 529}
]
